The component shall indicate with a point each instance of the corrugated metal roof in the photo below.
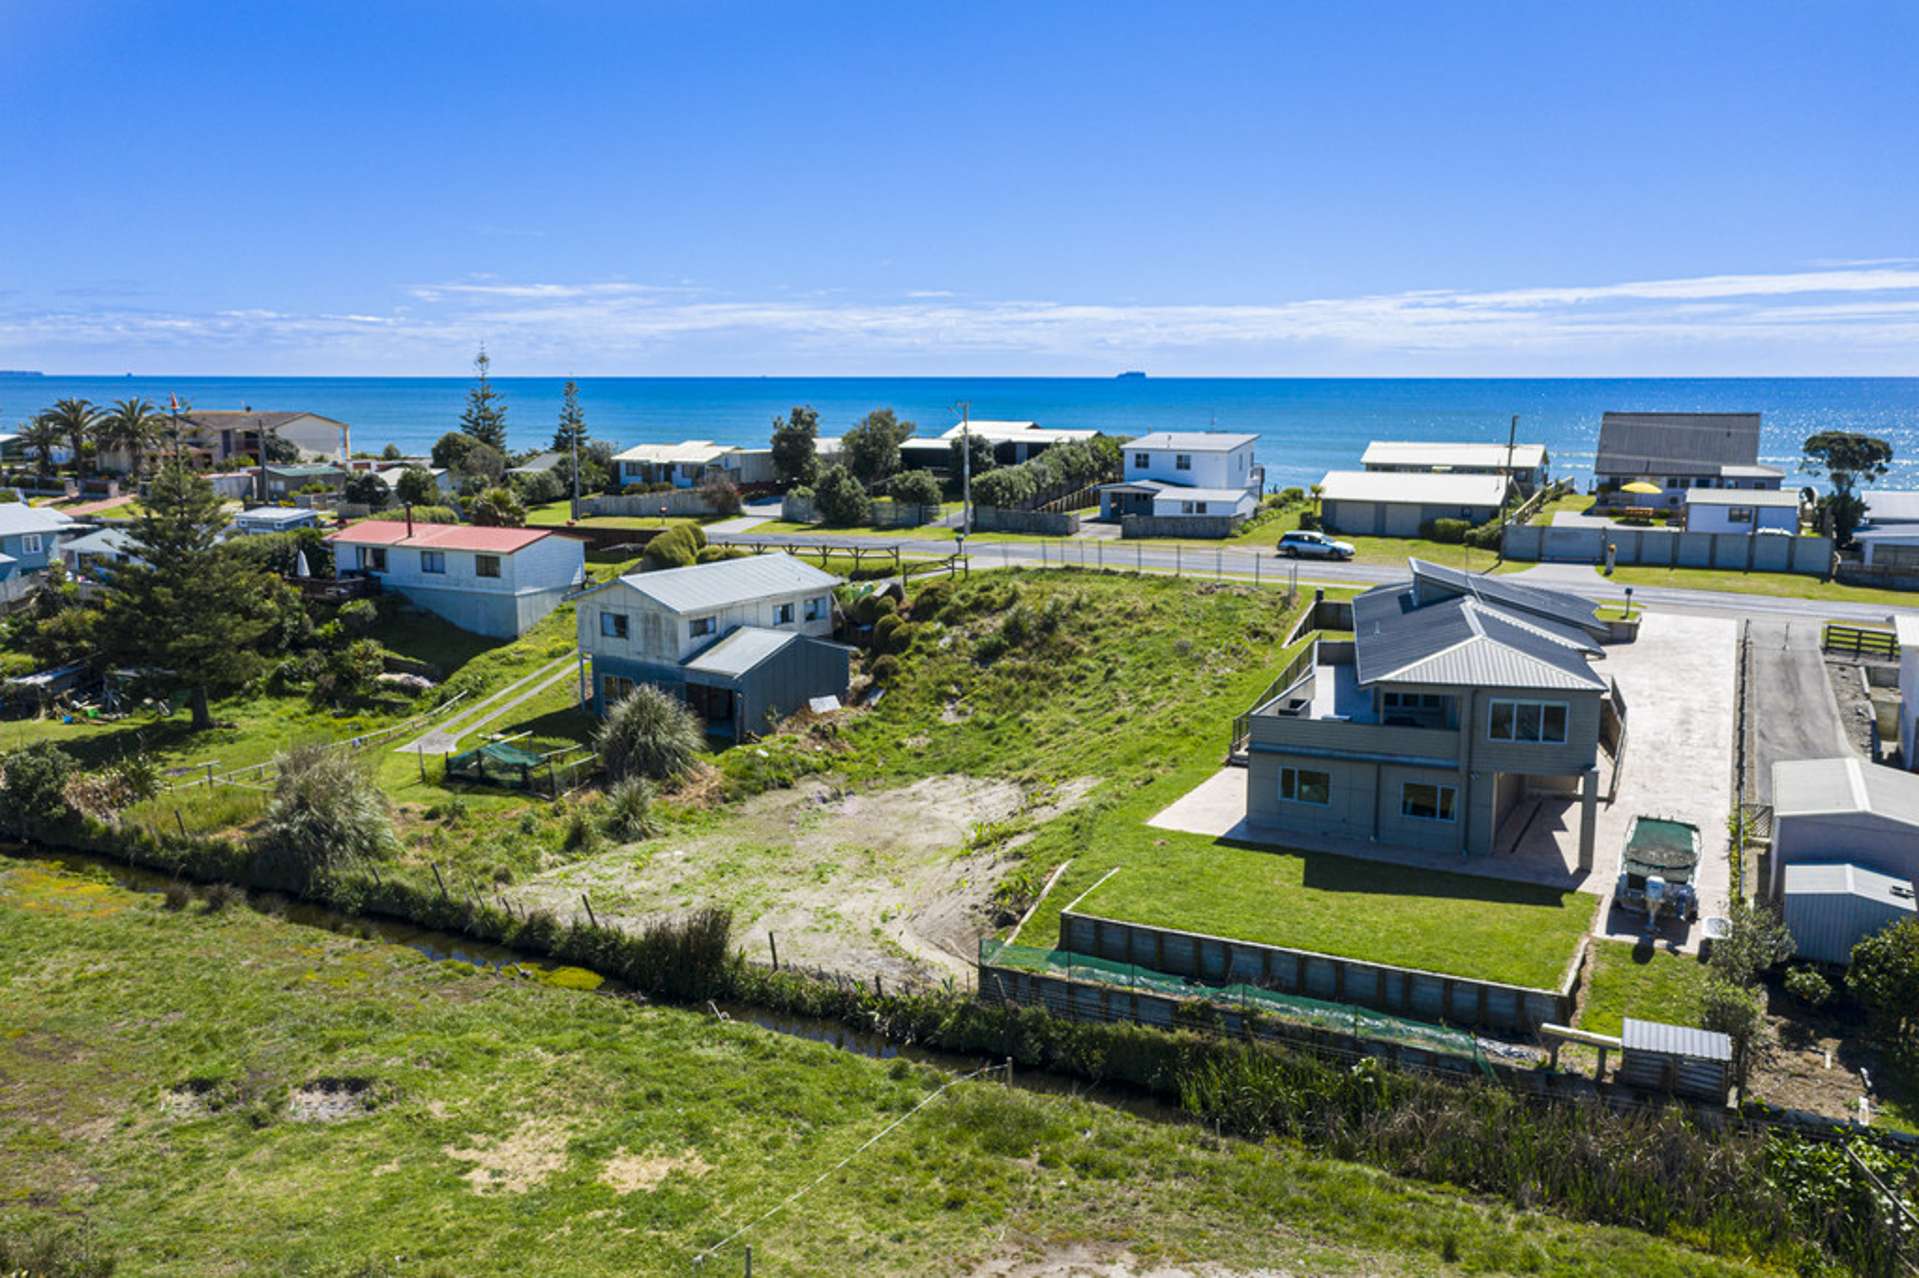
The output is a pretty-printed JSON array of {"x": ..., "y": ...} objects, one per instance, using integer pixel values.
[
  {"x": 1675, "y": 1040},
  {"x": 1849, "y": 880},
  {"x": 18, "y": 517},
  {"x": 1412, "y": 452},
  {"x": 1815, "y": 787},
  {"x": 741, "y": 650},
  {"x": 276, "y": 514},
  {"x": 393, "y": 532},
  {"x": 1426, "y": 488},
  {"x": 1192, "y": 441},
  {"x": 1676, "y": 443},
  {"x": 102, "y": 540},
  {"x": 1742, "y": 497},
  {"x": 688, "y": 451},
  {"x": 1891, "y": 506},
  {"x": 1433, "y": 582},
  {"x": 728, "y": 581},
  {"x": 1465, "y": 643}
]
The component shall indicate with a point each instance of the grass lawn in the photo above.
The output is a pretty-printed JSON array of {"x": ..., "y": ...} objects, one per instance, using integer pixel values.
[
  {"x": 1366, "y": 550},
  {"x": 555, "y": 513},
  {"x": 1571, "y": 503},
  {"x": 1645, "y": 983},
  {"x": 1783, "y": 585},
  {"x": 164, "y": 1091}
]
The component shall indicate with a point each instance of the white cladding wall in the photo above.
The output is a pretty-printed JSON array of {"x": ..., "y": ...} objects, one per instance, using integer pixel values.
[
  {"x": 1232, "y": 469},
  {"x": 1719, "y": 519},
  {"x": 551, "y": 563},
  {"x": 656, "y": 633}
]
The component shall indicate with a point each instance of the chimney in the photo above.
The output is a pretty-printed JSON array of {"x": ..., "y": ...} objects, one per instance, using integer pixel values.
[{"x": 409, "y": 521}]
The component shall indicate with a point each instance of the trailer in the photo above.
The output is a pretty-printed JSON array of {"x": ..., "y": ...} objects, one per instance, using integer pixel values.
[{"x": 1657, "y": 869}]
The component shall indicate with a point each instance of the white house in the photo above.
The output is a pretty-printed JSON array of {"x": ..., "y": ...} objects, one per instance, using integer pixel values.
[
  {"x": 1368, "y": 503},
  {"x": 1524, "y": 464},
  {"x": 1194, "y": 473},
  {"x": 274, "y": 519},
  {"x": 217, "y": 435},
  {"x": 742, "y": 641},
  {"x": 445, "y": 481},
  {"x": 680, "y": 465},
  {"x": 95, "y": 554},
  {"x": 1732, "y": 510},
  {"x": 491, "y": 581},
  {"x": 1889, "y": 535}
]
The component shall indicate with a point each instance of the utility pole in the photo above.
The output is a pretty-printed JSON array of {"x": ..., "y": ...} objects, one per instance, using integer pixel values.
[
  {"x": 966, "y": 471},
  {"x": 1512, "y": 434}
]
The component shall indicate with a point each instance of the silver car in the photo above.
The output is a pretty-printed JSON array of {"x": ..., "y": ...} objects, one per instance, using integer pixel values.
[{"x": 1314, "y": 545}]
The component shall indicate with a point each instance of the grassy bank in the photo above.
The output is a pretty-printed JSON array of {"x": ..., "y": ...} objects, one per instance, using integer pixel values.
[
  {"x": 252, "y": 1096},
  {"x": 1778, "y": 585}
]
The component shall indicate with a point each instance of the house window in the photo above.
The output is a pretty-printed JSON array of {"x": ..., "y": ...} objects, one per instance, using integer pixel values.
[
  {"x": 31, "y": 544},
  {"x": 1530, "y": 722},
  {"x": 486, "y": 565},
  {"x": 1739, "y": 514},
  {"x": 783, "y": 614},
  {"x": 433, "y": 561},
  {"x": 1423, "y": 802},
  {"x": 816, "y": 608},
  {"x": 1182, "y": 461},
  {"x": 373, "y": 558},
  {"x": 613, "y": 624},
  {"x": 1186, "y": 508},
  {"x": 1142, "y": 461},
  {"x": 700, "y": 626},
  {"x": 1303, "y": 785},
  {"x": 614, "y": 689}
]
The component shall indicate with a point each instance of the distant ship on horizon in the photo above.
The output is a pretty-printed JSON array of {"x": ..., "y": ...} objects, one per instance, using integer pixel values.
[
  {"x": 21, "y": 372},
  {"x": 1132, "y": 375}
]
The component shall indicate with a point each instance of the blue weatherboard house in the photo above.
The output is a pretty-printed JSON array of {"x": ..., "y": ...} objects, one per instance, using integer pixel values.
[
  {"x": 29, "y": 540},
  {"x": 743, "y": 642}
]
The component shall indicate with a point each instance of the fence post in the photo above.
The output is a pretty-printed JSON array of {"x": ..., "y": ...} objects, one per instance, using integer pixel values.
[
  {"x": 589, "y": 910},
  {"x": 437, "y": 879},
  {"x": 1176, "y": 559},
  {"x": 772, "y": 943}
]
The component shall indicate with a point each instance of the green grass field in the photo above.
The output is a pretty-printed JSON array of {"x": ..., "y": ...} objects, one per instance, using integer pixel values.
[
  {"x": 1780, "y": 585},
  {"x": 1647, "y": 984},
  {"x": 253, "y": 1096}
]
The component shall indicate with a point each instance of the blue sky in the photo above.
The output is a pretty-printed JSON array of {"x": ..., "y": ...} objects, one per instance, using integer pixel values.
[{"x": 709, "y": 188}]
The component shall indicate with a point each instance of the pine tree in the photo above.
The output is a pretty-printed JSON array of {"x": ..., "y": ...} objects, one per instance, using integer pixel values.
[
  {"x": 485, "y": 415},
  {"x": 572, "y": 427},
  {"x": 186, "y": 606}
]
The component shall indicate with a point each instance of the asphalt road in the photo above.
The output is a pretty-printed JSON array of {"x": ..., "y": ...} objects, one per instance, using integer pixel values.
[{"x": 1246, "y": 564}]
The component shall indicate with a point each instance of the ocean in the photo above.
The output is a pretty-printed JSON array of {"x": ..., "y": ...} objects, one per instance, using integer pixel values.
[{"x": 1307, "y": 426}]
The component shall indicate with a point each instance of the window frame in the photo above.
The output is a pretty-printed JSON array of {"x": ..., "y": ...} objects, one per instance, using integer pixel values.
[
  {"x": 700, "y": 627},
  {"x": 1740, "y": 515},
  {"x": 1516, "y": 708},
  {"x": 783, "y": 613},
  {"x": 1182, "y": 461},
  {"x": 372, "y": 558},
  {"x": 1445, "y": 802},
  {"x": 621, "y": 627},
  {"x": 433, "y": 563},
  {"x": 1142, "y": 461},
  {"x": 816, "y": 608},
  {"x": 1297, "y": 777},
  {"x": 482, "y": 562},
  {"x": 33, "y": 543}
]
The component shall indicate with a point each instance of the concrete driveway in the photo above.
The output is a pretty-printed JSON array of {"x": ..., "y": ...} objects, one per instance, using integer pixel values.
[{"x": 1794, "y": 712}]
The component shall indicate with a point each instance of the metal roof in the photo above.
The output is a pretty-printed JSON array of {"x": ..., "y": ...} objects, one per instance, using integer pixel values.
[
  {"x": 1676, "y": 443},
  {"x": 704, "y": 587},
  {"x": 1413, "y": 452},
  {"x": 688, "y": 451},
  {"x": 1433, "y": 582},
  {"x": 741, "y": 650},
  {"x": 393, "y": 532},
  {"x": 277, "y": 514},
  {"x": 1844, "y": 786},
  {"x": 1743, "y": 497},
  {"x": 1675, "y": 1040},
  {"x": 1891, "y": 506},
  {"x": 1426, "y": 488},
  {"x": 314, "y": 470},
  {"x": 1463, "y": 642},
  {"x": 18, "y": 517},
  {"x": 1849, "y": 880},
  {"x": 101, "y": 540},
  {"x": 1192, "y": 441}
]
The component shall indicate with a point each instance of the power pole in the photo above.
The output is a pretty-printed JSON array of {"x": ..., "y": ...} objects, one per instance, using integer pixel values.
[
  {"x": 966, "y": 471},
  {"x": 1512, "y": 433}
]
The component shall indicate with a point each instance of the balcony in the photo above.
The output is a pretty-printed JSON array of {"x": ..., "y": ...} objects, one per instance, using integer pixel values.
[{"x": 1325, "y": 711}]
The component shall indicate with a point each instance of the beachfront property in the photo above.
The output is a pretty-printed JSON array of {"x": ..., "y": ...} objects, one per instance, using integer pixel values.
[
  {"x": 1741, "y": 510},
  {"x": 490, "y": 581},
  {"x": 211, "y": 437},
  {"x": 682, "y": 465},
  {"x": 1888, "y": 537},
  {"x": 1524, "y": 464},
  {"x": 1369, "y": 503},
  {"x": 744, "y": 642},
  {"x": 1172, "y": 474},
  {"x": 1458, "y": 699},
  {"x": 273, "y": 519},
  {"x": 1843, "y": 814},
  {"x": 292, "y": 480},
  {"x": 1013, "y": 442},
  {"x": 1676, "y": 452}
]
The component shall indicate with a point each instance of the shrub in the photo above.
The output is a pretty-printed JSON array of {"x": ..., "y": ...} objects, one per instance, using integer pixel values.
[
  {"x": 720, "y": 494},
  {"x": 1450, "y": 532},
  {"x": 648, "y": 734},
  {"x": 674, "y": 548},
  {"x": 713, "y": 554},
  {"x": 628, "y": 813},
  {"x": 1884, "y": 976},
  {"x": 221, "y": 895},
  {"x": 916, "y": 487},
  {"x": 359, "y": 616},
  {"x": 886, "y": 670},
  {"x": 538, "y": 487},
  {"x": 1755, "y": 940},
  {"x": 840, "y": 498},
  {"x": 1487, "y": 536},
  {"x": 1738, "y": 1012},
  {"x": 33, "y": 788},
  {"x": 327, "y": 814},
  {"x": 366, "y": 488},
  {"x": 931, "y": 600},
  {"x": 176, "y": 896},
  {"x": 884, "y": 629},
  {"x": 1806, "y": 985},
  {"x": 497, "y": 508},
  {"x": 1309, "y": 521}
]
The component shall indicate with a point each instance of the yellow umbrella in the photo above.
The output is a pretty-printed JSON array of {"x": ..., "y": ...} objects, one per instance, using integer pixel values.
[{"x": 1642, "y": 487}]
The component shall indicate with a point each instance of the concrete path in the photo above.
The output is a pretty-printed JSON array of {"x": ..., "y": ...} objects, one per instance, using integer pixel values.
[
  {"x": 1794, "y": 712},
  {"x": 740, "y": 523},
  {"x": 470, "y": 718}
]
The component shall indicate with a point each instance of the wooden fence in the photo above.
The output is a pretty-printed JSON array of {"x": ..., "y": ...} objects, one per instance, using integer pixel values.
[{"x": 1859, "y": 641}]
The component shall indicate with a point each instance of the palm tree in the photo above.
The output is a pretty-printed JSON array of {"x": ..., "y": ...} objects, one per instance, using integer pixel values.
[
  {"x": 134, "y": 425},
  {"x": 42, "y": 436},
  {"x": 75, "y": 419}
]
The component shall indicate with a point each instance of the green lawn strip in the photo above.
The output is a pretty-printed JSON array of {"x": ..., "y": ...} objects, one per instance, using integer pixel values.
[
  {"x": 1571, "y": 503},
  {"x": 1643, "y": 982},
  {"x": 553, "y": 513},
  {"x": 1782, "y": 585},
  {"x": 1366, "y": 550},
  {"x": 515, "y": 1127}
]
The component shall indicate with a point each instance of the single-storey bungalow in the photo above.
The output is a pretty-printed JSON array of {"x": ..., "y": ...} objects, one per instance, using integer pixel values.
[
  {"x": 29, "y": 539},
  {"x": 681, "y": 465},
  {"x": 491, "y": 581},
  {"x": 1732, "y": 510},
  {"x": 1889, "y": 534},
  {"x": 1677, "y": 452},
  {"x": 96, "y": 553},
  {"x": 288, "y": 481},
  {"x": 446, "y": 482},
  {"x": 1524, "y": 464},
  {"x": 1831, "y": 908},
  {"x": 744, "y": 642},
  {"x": 1368, "y": 503},
  {"x": 273, "y": 519},
  {"x": 1012, "y": 442},
  {"x": 1844, "y": 809}
]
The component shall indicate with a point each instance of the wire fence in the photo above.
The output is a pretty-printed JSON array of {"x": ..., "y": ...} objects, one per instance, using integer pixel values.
[{"x": 255, "y": 775}]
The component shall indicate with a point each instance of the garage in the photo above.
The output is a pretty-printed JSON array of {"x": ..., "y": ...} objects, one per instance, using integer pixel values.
[{"x": 1394, "y": 504}]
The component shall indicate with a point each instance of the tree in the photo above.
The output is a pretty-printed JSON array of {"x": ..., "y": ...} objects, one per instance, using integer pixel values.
[
  {"x": 484, "y": 463},
  {"x": 917, "y": 487},
  {"x": 1756, "y": 939},
  {"x": 720, "y": 494},
  {"x": 185, "y": 606},
  {"x": 1738, "y": 1012},
  {"x": 1884, "y": 976},
  {"x": 1847, "y": 460},
  {"x": 76, "y": 420},
  {"x": 366, "y": 488},
  {"x": 133, "y": 426},
  {"x": 391, "y": 453},
  {"x": 572, "y": 427},
  {"x": 872, "y": 448},
  {"x": 840, "y": 498},
  {"x": 42, "y": 437},
  {"x": 497, "y": 508},
  {"x": 795, "y": 446},
  {"x": 416, "y": 486},
  {"x": 982, "y": 451},
  {"x": 326, "y": 815},
  {"x": 33, "y": 788},
  {"x": 450, "y": 449},
  {"x": 485, "y": 415},
  {"x": 648, "y": 734}
]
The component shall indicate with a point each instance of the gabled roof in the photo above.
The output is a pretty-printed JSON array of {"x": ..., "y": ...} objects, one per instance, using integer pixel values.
[
  {"x": 1015, "y": 433},
  {"x": 1676, "y": 443},
  {"x": 1891, "y": 506},
  {"x": 310, "y": 470},
  {"x": 277, "y": 514},
  {"x": 1846, "y": 786},
  {"x": 248, "y": 419},
  {"x": 1434, "y": 582},
  {"x": 689, "y": 452},
  {"x": 724, "y": 582},
  {"x": 1192, "y": 441},
  {"x": 101, "y": 541},
  {"x": 393, "y": 532},
  {"x": 538, "y": 462},
  {"x": 1439, "y": 455},
  {"x": 1426, "y": 488},
  {"x": 1441, "y": 628},
  {"x": 18, "y": 517},
  {"x": 1846, "y": 879}
]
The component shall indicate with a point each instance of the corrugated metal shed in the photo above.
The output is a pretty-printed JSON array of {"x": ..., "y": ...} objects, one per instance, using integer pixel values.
[
  {"x": 729, "y": 581},
  {"x": 1849, "y": 785},
  {"x": 1413, "y": 488},
  {"x": 1831, "y": 908},
  {"x": 741, "y": 650},
  {"x": 1675, "y": 1040},
  {"x": 1676, "y": 443}
]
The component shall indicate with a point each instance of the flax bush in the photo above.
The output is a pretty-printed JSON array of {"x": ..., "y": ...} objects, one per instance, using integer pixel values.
[
  {"x": 648, "y": 734},
  {"x": 327, "y": 814}
]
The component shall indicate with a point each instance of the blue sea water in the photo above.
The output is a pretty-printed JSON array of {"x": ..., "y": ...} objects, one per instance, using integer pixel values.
[{"x": 1308, "y": 425}]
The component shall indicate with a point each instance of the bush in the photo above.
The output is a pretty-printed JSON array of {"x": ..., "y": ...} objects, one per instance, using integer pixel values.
[
  {"x": 359, "y": 616},
  {"x": 1309, "y": 521},
  {"x": 1806, "y": 985},
  {"x": 883, "y": 631},
  {"x": 720, "y": 494},
  {"x": 931, "y": 600},
  {"x": 677, "y": 547},
  {"x": 1487, "y": 536},
  {"x": 538, "y": 487},
  {"x": 649, "y": 734},
  {"x": 367, "y": 489},
  {"x": 886, "y": 670},
  {"x": 1449, "y": 532},
  {"x": 915, "y": 487},
  {"x": 33, "y": 788},
  {"x": 714, "y": 554},
  {"x": 840, "y": 498},
  {"x": 1884, "y": 976},
  {"x": 628, "y": 813},
  {"x": 327, "y": 814},
  {"x": 497, "y": 508}
]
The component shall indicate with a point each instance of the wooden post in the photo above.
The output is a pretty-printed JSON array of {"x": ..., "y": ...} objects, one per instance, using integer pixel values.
[
  {"x": 437, "y": 879},
  {"x": 422, "y": 753},
  {"x": 877, "y": 987},
  {"x": 589, "y": 910},
  {"x": 772, "y": 943},
  {"x": 209, "y": 774},
  {"x": 181, "y": 822}
]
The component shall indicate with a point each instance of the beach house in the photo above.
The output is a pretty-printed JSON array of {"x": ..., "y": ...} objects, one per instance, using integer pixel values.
[
  {"x": 273, "y": 519},
  {"x": 29, "y": 539},
  {"x": 1012, "y": 442},
  {"x": 743, "y": 642},
  {"x": 1676, "y": 452},
  {"x": 1191, "y": 474},
  {"x": 682, "y": 465},
  {"x": 214, "y": 436},
  {"x": 1741, "y": 510},
  {"x": 491, "y": 581},
  {"x": 1368, "y": 503},
  {"x": 94, "y": 555},
  {"x": 1524, "y": 464}
]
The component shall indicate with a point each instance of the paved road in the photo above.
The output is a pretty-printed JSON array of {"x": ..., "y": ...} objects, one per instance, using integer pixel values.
[
  {"x": 1797, "y": 716},
  {"x": 1247, "y": 564}
]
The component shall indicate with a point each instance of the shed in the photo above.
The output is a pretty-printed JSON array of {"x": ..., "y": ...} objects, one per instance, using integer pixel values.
[
  {"x": 1740, "y": 510},
  {"x": 1831, "y": 908},
  {"x": 1675, "y": 1058},
  {"x": 1371, "y": 503},
  {"x": 1844, "y": 810}
]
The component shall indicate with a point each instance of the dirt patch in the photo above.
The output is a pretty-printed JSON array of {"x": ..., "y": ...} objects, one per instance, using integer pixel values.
[
  {"x": 192, "y": 1099},
  {"x": 331, "y": 1100},
  {"x": 625, "y": 1173},
  {"x": 517, "y": 1162},
  {"x": 1081, "y": 1260}
]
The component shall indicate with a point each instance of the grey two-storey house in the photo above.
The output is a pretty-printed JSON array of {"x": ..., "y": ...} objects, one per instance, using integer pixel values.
[{"x": 1458, "y": 698}]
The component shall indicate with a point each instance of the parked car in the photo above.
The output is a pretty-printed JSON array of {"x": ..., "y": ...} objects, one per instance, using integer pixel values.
[{"x": 1314, "y": 545}]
